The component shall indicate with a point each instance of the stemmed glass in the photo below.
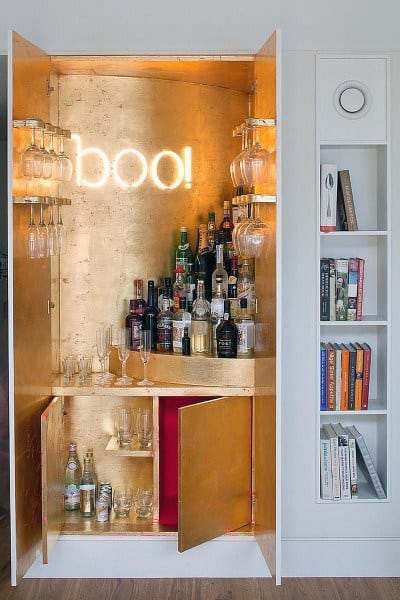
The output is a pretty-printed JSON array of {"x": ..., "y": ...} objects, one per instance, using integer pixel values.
[
  {"x": 107, "y": 375},
  {"x": 43, "y": 237},
  {"x": 47, "y": 159},
  {"x": 65, "y": 161},
  {"x": 235, "y": 168},
  {"x": 32, "y": 159},
  {"x": 33, "y": 237},
  {"x": 61, "y": 233},
  {"x": 145, "y": 352},
  {"x": 56, "y": 172},
  {"x": 123, "y": 355},
  {"x": 102, "y": 340},
  {"x": 53, "y": 235},
  {"x": 255, "y": 163}
]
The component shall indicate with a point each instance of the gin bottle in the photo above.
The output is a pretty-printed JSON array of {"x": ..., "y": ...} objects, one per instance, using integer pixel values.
[
  {"x": 73, "y": 475},
  {"x": 205, "y": 261},
  {"x": 219, "y": 271},
  {"x": 200, "y": 338},
  {"x": 164, "y": 326},
  {"x": 87, "y": 490},
  {"x": 181, "y": 321},
  {"x": 217, "y": 313},
  {"x": 183, "y": 251}
]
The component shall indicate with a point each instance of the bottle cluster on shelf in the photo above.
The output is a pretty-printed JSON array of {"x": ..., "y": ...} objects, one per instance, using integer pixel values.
[
  {"x": 209, "y": 308},
  {"x": 345, "y": 376},
  {"x": 341, "y": 289}
]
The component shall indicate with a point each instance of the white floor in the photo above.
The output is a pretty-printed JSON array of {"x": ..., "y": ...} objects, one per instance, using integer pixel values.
[{"x": 138, "y": 557}]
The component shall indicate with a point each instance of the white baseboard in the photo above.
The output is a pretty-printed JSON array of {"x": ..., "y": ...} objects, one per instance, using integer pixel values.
[{"x": 333, "y": 557}]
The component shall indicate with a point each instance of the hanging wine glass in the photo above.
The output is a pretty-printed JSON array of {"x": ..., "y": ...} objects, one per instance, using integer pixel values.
[
  {"x": 258, "y": 236},
  {"x": 32, "y": 160},
  {"x": 33, "y": 237},
  {"x": 235, "y": 168},
  {"x": 43, "y": 237},
  {"x": 66, "y": 162},
  {"x": 61, "y": 233},
  {"x": 56, "y": 172},
  {"x": 255, "y": 163},
  {"x": 47, "y": 159},
  {"x": 53, "y": 234}
]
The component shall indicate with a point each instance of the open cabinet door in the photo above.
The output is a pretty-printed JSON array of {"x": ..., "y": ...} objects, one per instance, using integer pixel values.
[
  {"x": 29, "y": 321},
  {"x": 267, "y": 411},
  {"x": 53, "y": 458},
  {"x": 214, "y": 494}
]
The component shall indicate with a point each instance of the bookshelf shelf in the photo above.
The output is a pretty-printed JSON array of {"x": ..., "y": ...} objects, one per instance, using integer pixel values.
[{"x": 362, "y": 147}]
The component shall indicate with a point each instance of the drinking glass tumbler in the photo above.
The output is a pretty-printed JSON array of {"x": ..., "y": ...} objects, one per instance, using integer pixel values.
[
  {"x": 85, "y": 368},
  {"x": 69, "y": 364},
  {"x": 123, "y": 425},
  {"x": 144, "y": 504},
  {"x": 144, "y": 427},
  {"x": 122, "y": 500}
]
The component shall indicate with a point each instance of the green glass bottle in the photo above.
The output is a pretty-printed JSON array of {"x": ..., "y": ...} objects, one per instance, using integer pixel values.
[{"x": 73, "y": 474}]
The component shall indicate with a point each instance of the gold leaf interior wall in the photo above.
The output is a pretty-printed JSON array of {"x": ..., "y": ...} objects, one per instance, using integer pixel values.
[{"x": 114, "y": 234}]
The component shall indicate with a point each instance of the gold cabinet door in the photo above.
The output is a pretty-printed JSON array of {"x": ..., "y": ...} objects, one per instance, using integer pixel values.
[
  {"x": 53, "y": 459},
  {"x": 214, "y": 493},
  {"x": 29, "y": 321}
]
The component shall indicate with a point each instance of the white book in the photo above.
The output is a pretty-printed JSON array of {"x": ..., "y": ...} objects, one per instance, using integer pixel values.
[
  {"x": 353, "y": 467},
  {"x": 326, "y": 466},
  {"x": 334, "y": 460},
  {"x": 328, "y": 196},
  {"x": 338, "y": 375},
  {"x": 344, "y": 460},
  {"x": 365, "y": 462}
]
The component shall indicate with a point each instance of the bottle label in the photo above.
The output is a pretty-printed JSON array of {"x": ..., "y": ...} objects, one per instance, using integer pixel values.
[
  {"x": 183, "y": 247},
  {"x": 200, "y": 327},
  {"x": 72, "y": 466},
  {"x": 136, "y": 328},
  {"x": 217, "y": 309},
  {"x": 245, "y": 337},
  {"x": 72, "y": 496},
  {"x": 177, "y": 334},
  {"x": 164, "y": 335},
  {"x": 87, "y": 498},
  {"x": 226, "y": 346}
]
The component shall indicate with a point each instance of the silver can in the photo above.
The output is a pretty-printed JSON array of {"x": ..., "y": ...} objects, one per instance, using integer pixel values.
[
  {"x": 105, "y": 489},
  {"x": 102, "y": 513}
]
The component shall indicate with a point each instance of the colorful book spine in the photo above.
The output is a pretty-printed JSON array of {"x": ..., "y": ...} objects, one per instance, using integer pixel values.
[
  {"x": 360, "y": 289},
  {"x": 341, "y": 265},
  {"x": 332, "y": 290},
  {"x": 338, "y": 364},
  {"x": 366, "y": 376},
  {"x": 352, "y": 375},
  {"x": 358, "y": 376},
  {"x": 326, "y": 466},
  {"x": 352, "y": 289},
  {"x": 334, "y": 460},
  {"x": 346, "y": 190},
  {"x": 324, "y": 289},
  {"x": 344, "y": 396},
  {"x": 323, "y": 351},
  {"x": 331, "y": 377}
]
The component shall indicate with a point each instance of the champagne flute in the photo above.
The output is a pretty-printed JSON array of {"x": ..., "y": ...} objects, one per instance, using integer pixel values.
[
  {"x": 32, "y": 160},
  {"x": 123, "y": 355},
  {"x": 66, "y": 162},
  {"x": 33, "y": 237},
  {"x": 47, "y": 159},
  {"x": 145, "y": 352},
  {"x": 53, "y": 235},
  {"x": 43, "y": 237},
  {"x": 61, "y": 233},
  {"x": 101, "y": 346}
]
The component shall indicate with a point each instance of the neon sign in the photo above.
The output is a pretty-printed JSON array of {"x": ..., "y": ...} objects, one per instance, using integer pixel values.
[{"x": 182, "y": 167}]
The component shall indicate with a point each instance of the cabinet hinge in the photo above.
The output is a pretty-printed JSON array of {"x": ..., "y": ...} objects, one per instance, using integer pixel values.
[
  {"x": 49, "y": 87},
  {"x": 50, "y": 305}
]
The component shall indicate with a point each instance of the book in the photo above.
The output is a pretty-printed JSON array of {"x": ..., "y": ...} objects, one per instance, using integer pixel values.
[
  {"x": 324, "y": 289},
  {"x": 338, "y": 364},
  {"x": 341, "y": 266},
  {"x": 366, "y": 376},
  {"x": 358, "y": 376},
  {"x": 344, "y": 184},
  {"x": 344, "y": 461},
  {"x": 352, "y": 375},
  {"x": 328, "y": 196},
  {"x": 344, "y": 396},
  {"x": 365, "y": 463},
  {"x": 334, "y": 460},
  {"x": 326, "y": 468},
  {"x": 341, "y": 217},
  {"x": 332, "y": 290},
  {"x": 353, "y": 466},
  {"x": 360, "y": 288},
  {"x": 330, "y": 377},
  {"x": 323, "y": 378},
  {"x": 352, "y": 289}
]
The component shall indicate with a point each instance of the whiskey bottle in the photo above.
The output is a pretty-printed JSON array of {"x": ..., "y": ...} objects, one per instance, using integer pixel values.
[
  {"x": 169, "y": 287},
  {"x": 219, "y": 271},
  {"x": 190, "y": 284},
  {"x": 181, "y": 321},
  {"x": 179, "y": 289},
  {"x": 149, "y": 321},
  {"x": 164, "y": 326},
  {"x": 245, "y": 326},
  {"x": 73, "y": 475},
  {"x": 217, "y": 313},
  {"x": 227, "y": 335},
  {"x": 87, "y": 490},
  {"x": 200, "y": 338},
  {"x": 205, "y": 261}
]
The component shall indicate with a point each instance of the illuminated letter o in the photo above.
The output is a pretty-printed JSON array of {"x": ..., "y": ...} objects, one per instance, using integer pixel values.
[
  {"x": 180, "y": 167},
  {"x": 142, "y": 161}
]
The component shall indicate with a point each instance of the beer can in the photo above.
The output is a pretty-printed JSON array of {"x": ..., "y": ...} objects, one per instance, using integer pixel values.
[
  {"x": 105, "y": 489},
  {"x": 102, "y": 513}
]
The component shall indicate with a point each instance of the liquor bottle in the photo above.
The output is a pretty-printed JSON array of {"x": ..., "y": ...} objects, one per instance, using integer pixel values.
[
  {"x": 211, "y": 231},
  {"x": 89, "y": 455},
  {"x": 140, "y": 304},
  {"x": 219, "y": 271},
  {"x": 226, "y": 228},
  {"x": 149, "y": 321},
  {"x": 164, "y": 326},
  {"x": 167, "y": 286},
  {"x": 217, "y": 312},
  {"x": 205, "y": 261},
  {"x": 133, "y": 321},
  {"x": 179, "y": 289},
  {"x": 245, "y": 326},
  {"x": 232, "y": 286},
  {"x": 200, "y": 338},
  {"x": 227, "y": 335},
  {"x": 186, "y": 342},
  {"x": 181, "y": 321},
  {"x": 190, "y": 284},
  {"x": 183, "y": 250},
  {"x": 73, "y": 475},
  {"x": 87, "y": 490},
  {"x": 246, "y": 287}
]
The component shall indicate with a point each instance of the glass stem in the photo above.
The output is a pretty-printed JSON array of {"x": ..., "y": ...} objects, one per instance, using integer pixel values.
[
  {"x": 31, "y": 219},
  {"x": 123, "y": 369},
  {"x": 32, "y": 137},
  {"x": 103, "y": 367},
  {"x": 145, "y": 371}
]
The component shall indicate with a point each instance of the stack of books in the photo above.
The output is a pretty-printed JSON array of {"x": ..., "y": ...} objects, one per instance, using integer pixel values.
[
  {"x": 343, "y": 454},
  {"x": 345, "y": 376},
  {"x": 341, "y": 289},
  {"x": 337, "y": 203}
]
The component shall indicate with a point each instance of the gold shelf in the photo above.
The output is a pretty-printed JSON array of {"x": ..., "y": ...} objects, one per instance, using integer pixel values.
[
  {"x": 39, "y": 124},
  {"x": 48, "y": 200},
  {"x": 252, "y": 122},
  {"x": 132, "y": 450},
  {"x": 246, "y": 199}
]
